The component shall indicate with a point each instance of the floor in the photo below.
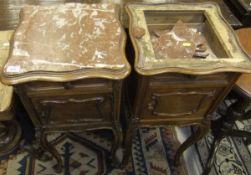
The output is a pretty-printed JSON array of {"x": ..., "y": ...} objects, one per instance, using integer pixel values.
[{"x": 152, "y": 154}]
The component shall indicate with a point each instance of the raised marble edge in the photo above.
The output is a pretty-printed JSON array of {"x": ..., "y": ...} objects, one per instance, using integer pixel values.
[
  {"x": 237, "y": 60},
  {"x": 6, "y": 92},
  {"x": 115, "y": 74}
]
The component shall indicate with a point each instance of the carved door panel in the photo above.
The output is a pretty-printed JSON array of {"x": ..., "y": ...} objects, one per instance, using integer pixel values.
[
  {"x": 74, "y": 109},
  {"x": 178, "y": 103}
]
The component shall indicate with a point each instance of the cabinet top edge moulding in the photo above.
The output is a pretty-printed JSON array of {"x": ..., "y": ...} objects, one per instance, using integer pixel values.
[
  {"x": 67, "y": 42},
  {"x": 227, "y": 55}
]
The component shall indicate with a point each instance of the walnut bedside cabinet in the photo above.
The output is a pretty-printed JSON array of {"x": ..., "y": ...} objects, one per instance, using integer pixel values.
[
  {"x": 67, "y": 64},
  {"x": 10, "y": 130},
  {"x": 187, "y": 59}
]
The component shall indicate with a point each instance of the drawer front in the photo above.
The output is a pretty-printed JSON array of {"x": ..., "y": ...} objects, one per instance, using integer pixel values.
[
  {"x": 34, "y": 89},
  {"x": 219, "y": 79},
  {"x": 73, "y": 109},
  {"x": 186, "y": 103}
]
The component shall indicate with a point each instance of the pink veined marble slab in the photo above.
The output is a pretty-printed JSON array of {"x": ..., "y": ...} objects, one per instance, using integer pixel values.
[{"x": 66, "y": 37}]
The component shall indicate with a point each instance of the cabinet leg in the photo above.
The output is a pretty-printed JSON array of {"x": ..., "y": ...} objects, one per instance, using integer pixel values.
[
  {"x": 36, "y": 153},
  {"x": 35, "y": 150},
  {"x": 200, "y": 133},
  {"x": 117, "y": 142},
  {"x": 130, "y": 132},
  {"x": 51, "y": 149},
  {"x": 127, "y": 147}
]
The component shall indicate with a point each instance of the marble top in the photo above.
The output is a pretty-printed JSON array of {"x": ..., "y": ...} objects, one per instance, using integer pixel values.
[{"x": 67, "y": 37}]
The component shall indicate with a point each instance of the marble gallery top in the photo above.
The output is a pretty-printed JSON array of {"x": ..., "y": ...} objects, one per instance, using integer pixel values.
[
  {"x": 85, "y": 39},
  {"x": 190, "y": 38}
]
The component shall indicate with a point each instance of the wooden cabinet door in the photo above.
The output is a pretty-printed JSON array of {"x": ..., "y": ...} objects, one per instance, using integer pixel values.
[
  {"x": 163, "y": 104},
  {"x": 74, "y": 109}
]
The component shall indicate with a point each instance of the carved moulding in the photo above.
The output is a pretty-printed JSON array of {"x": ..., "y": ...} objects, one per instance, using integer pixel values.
[{"x": 205, "y": 17}]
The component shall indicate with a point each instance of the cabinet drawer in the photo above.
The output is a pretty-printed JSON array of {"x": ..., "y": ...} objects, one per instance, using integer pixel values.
[
  {"x": 183, "y": 103},
  {"x": 73, "y": 109},
  {"x": 68, "y": 88},
  {"x": 170, "y": 78}
]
